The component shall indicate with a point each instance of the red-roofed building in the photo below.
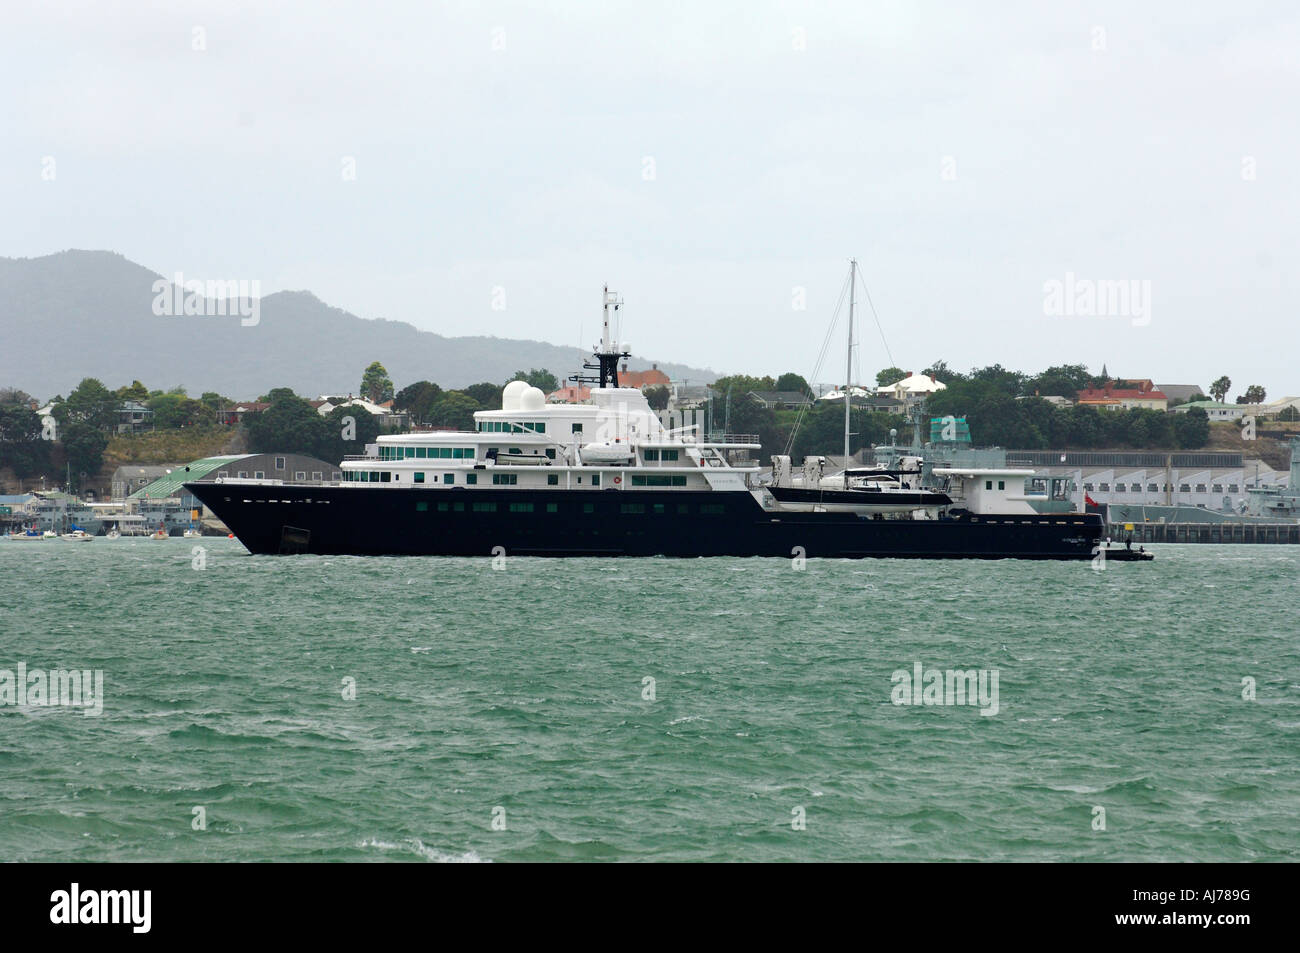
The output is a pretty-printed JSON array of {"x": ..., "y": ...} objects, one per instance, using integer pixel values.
[
  {"x": 236, "y": 415},
  {"x": 1142, "y": 395},
  {"x": 643, "y": 379},
  {"x": 569, "y": 395}
]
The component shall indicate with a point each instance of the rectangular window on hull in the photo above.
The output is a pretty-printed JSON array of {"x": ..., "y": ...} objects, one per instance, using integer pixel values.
[
  {"x": 658, "y": 480},
  {"x": 423, "y": 507},
  {"x": 552, "y": 479},
  {"x": 595, "y": 479},
  {"x": 505, "y": 479},
  {"x": 632, "y": 508},
  {"x": 449, "y": 478},
  {"x": 471, "y": 478},
  {"x": 521, "y": 507},
  {"x": 712, "y": 509},
  {"x": 485, "y": 507},
  {"x": 419, "y": 477}
]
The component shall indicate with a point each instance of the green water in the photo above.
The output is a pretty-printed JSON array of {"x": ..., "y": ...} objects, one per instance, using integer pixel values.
[{"x": 519, "y": 695}]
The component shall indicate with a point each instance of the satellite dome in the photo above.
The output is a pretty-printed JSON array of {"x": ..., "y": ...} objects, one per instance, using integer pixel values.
[
  {"x": 511, "y": 395},
  {"x": 532, "y": 398}
]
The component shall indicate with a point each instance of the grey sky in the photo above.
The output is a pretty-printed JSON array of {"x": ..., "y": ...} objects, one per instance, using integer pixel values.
[{"x": 504, "y": 145}]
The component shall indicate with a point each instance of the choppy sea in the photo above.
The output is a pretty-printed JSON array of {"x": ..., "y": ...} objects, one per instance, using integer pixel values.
[{"x": 434, "y": 709}]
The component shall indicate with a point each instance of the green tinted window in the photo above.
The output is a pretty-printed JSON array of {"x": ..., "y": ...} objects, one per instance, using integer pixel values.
[
  {"x": 485, "y": 507},
  {"x": 552, "y": 479},
  {"x": 419, "y": 477},
  {"x": 595, "y": 479},
  {"x": 421, "y": 507},
  {"x": 471, "y": 478},
  {"x": 521, "y": 507},
  {"x": 449, "y": 478},
  {"x": 552, "y": 507},
  {"x": 669, "y": 455}
]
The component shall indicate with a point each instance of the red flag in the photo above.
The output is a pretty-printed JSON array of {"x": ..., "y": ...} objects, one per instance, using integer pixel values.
[{"x": 1090, "y": 501}]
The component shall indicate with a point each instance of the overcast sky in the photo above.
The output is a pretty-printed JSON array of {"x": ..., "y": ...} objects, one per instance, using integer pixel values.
[{"x": 703, "y": 159}]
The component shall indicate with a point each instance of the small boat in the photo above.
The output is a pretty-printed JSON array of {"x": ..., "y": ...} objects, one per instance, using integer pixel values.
[
  {"x": 50, "y": 534},
  {"x": 77, "y": 536},
  {"x": 113, "y": 534},
  {"x": 613, "y": 452},
  {"x": 192, "y": 533},
  {"x": 29, "y": 536},
  {"x": 159, "y": 534}
]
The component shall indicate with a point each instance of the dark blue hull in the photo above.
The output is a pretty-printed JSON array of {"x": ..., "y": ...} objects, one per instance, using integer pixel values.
[{"x": 454, "y": 521}]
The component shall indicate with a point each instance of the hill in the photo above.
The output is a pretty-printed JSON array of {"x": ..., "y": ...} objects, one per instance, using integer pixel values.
[{"x": 80, "y": 314}]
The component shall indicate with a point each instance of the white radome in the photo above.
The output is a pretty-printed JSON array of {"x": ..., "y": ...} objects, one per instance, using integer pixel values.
[
  {"x": 510, "y": 397},
  {"x": 532, "y": 399}
]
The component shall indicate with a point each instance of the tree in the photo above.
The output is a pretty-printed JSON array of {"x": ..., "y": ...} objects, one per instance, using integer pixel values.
[
  {"x": 1192, "y": 429},
  {"x": 486, "y": 395},
  {"x": 657, "y": 397},
  {"x": 1254, "y": 395},
  {"x": 376, "y": 386},
  {"x": 214, "y": 401},
  {"x": 418, "y": 399},
  {"x": 289, "y": 425},
  {"x": 454, "y": 409},
  {"x": 794, "y": 383},
  {"x": 91, "y": 404},
  {"x": 21, "y": 446},
  {"x": 890, "y": 375},
  {"x": 1219, "y": 389},
  {"x": 940, "y": 371},
  {"x": 12, "y": 395},
  {"x": 340, "y": 437},
  {"x": 84, "y": 444},
  {"x": 1008, "y": 382},
  {"x": 1289, "y": 413},
  {"x": 545, "y": 381},
  {"x": 1065, "y": 380},
  {"x": 174, "y": 411},
  {"x": 136, "y": 391}
]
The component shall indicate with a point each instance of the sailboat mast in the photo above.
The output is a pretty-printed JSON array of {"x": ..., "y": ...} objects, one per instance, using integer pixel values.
[{"x": 848, "y": 370}]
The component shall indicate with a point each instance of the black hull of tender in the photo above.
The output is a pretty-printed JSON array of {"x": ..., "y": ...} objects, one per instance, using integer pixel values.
[
  {"x": 916, "y": 498},
  {"x": 461, "y": 521}
]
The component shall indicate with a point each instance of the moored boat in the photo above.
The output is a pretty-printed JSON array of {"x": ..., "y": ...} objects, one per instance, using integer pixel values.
[{"x": 604, "y": 478}]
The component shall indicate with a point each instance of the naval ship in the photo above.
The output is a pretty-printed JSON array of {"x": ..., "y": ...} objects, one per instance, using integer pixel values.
[{"x": 605, "y": 478}]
